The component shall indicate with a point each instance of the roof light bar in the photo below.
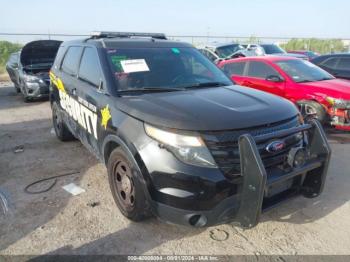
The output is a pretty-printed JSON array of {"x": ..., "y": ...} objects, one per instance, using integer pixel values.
[{"x": 106, "y": 34}]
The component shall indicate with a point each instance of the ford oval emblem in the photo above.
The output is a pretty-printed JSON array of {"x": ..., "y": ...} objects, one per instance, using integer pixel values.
[{"x": 275, "y": 146}]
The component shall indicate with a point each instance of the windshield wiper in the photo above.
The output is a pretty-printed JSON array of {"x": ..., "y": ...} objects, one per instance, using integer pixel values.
[
  {"x": 306, "y": 81},
  {"x": 205, "y": 84},
  {"x": 149, "y": 89}
]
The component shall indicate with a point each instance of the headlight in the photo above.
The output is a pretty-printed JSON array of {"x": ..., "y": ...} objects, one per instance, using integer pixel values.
[
  {"x": 30, "y": 78},
  {"x": 187, "y": 148},
  {"x": 338, "y": 103}
]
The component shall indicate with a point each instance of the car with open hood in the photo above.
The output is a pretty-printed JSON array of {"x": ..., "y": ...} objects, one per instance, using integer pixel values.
[
  {"x": 35, "y": 61},
  {"x": 317, "y": 93},
  {"x": 180, "y": 141}
]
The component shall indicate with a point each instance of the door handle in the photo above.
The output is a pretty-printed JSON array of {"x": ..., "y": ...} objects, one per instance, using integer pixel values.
[{"x": 247, "y": 83}]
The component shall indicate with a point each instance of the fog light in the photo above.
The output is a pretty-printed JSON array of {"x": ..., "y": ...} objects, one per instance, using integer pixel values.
[{"x": 297, "y": 157}]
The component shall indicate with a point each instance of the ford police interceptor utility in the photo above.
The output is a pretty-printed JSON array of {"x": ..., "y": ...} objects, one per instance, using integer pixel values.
[{"x": 179, "y": 139}]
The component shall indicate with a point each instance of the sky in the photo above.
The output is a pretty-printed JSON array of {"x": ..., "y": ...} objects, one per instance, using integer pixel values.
[{"x": 270, "y": 18}]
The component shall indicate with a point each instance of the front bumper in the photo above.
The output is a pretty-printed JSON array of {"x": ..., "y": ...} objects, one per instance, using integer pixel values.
[
  {"x": 37, "y": 89},
  {"x": 242, "y": 201},
  {"x": 340, "y": 118}
]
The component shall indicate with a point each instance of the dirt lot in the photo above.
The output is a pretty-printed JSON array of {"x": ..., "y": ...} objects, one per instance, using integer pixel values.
[{"x": 56, "y": 222}]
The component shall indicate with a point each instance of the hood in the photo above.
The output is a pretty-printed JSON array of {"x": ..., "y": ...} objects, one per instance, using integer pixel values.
[
  {"x": 336, "y": 88},
  {"x": 220, "y": 108},
  {"x": 38, "y": 52},
  {"x": 292, "y": 55}
]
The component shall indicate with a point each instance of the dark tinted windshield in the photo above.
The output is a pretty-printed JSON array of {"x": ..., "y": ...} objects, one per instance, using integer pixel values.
[
  {"x": 303, "y": 71},
  {"x": 273, "y": 49},
  {"x": 166, "y": 68},
  {"x": 227, "y": 50}
]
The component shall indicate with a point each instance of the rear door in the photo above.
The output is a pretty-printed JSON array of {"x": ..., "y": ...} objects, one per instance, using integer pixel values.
[
  {"x": 235, "y": 71},
  {"x": 257, "y": 73},
  {"x": 91, "y": 94},
  {"x": 67, "y": 87},
  {"x": 12, "y": 67}
]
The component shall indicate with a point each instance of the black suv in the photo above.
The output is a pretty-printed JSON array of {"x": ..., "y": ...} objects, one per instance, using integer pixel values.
[
  {"x": 335, "y": 64},
  {"x": 179, "y": 140}
]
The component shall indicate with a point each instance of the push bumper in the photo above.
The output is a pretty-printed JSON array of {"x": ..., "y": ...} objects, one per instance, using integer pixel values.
[{"x": 253, "y": 198}]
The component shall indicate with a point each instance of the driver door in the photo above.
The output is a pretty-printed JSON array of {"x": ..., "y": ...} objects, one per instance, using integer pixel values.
[{"x": 259, "y": 75}]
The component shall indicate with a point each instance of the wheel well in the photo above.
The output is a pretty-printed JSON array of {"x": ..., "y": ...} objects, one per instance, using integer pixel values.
[{"x": 110, "y": 146}]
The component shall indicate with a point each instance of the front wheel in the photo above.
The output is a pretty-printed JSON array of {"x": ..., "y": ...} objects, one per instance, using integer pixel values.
[
  {"x": 126, "y": 188},
  {"x": 312, "y": 109}
]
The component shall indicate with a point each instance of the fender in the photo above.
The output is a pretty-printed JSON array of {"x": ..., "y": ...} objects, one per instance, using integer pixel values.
[{"x": 143, "y": 175}]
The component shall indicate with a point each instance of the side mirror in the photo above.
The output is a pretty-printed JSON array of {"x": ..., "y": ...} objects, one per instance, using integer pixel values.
[{"x": 274, "y": 78}]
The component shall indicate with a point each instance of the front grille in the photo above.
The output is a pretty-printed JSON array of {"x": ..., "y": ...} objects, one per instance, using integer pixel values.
[{"x": 223, "y": 145}]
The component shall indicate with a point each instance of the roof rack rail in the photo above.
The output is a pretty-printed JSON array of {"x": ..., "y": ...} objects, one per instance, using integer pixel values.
[{"x": 106, "y": 34}]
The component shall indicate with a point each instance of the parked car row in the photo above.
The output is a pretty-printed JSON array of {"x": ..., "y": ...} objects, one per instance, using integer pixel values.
[
  {"x": 29, "y": 68},
  {"x": 316, "y": 92},
  {"x": 179, "y": 138}
]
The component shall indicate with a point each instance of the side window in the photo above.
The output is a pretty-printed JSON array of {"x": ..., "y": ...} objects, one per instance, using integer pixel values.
[
  {"x": 211, "y": 56},
  {"x": 260, "y": 70},
  {"x": 330, "y": 62},
  {"x": 344, "y": 63},
  {"x": 90, "y": 67},
  {"x": 71, "y": 60},
  {"x": 234, "y": 69}
]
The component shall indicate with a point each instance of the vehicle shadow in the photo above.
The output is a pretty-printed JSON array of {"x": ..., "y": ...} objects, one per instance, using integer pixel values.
[
  {"x": 336, "y": 192},
  {"x": 30, "y": 152},
  {"x": 11, "y": 99},
  {"x": 136, "y": 239}
]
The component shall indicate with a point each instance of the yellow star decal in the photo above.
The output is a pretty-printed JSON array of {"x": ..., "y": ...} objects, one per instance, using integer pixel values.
[{"x": 106, "y": 115}]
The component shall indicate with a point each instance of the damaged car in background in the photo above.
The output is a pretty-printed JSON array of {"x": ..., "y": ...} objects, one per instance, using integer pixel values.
[{"x": 35, "y": 61}]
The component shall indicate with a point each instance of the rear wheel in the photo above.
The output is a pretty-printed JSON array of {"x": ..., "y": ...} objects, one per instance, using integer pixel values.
[
  {"x": 126, "y": 188},
  {"x": 61, "y": 130},
  {"x": 312, "y": 109}
]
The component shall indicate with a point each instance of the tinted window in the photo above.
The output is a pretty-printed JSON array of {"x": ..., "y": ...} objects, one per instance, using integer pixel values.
[
  {"x": 234, "y": 69},
  {"x": 303, "y": 71},
  {"x": 260, "y": 70},
  {"x": 13, "y": 59},
  {"x": 330, "y": 62},
  {"x": 273, "y": 49},
  {"x": 71, "y": 60},
  {"x": 89, "y": 67},
  {"x": 228, "y": 50},
  {"x": 163, "y": 68},
  {"x": 344, "y": 63}
]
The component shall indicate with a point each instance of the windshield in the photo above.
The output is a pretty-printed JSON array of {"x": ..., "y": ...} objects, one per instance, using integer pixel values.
[
  {"x": 303, "y": 71},
  {"x": 273, "y": 49},
  {"x": 163, "y": 68},
  {"x": 227, "y": 50}
]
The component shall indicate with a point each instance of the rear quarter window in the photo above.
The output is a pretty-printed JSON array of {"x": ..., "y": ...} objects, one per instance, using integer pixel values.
[
  {"x": 234, "y": 69},
  {"x": 71, "y": 60},
  {"x": 260, "y": 70}
]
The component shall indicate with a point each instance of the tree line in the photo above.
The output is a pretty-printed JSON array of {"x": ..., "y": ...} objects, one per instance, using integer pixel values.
[{"x": 6, "y": 49}]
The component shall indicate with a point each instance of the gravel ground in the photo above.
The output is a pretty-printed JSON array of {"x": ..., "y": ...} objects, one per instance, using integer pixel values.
[{"x": 56, "y": 222}]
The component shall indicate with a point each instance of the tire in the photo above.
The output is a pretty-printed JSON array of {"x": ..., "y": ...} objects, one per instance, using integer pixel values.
[
  {"x": 127, "y": 190},
  {"x": 312, "y": 109},
  {"x": 61, "y": 130}
]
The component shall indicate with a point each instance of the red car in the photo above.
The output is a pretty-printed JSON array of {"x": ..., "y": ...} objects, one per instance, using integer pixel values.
[{"x": 316, "y": 92}]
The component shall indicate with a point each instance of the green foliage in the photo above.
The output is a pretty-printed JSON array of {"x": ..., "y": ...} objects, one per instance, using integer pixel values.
[
  {"x": 317, "y": 45},
  {"x": 6, "y": 48}
]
